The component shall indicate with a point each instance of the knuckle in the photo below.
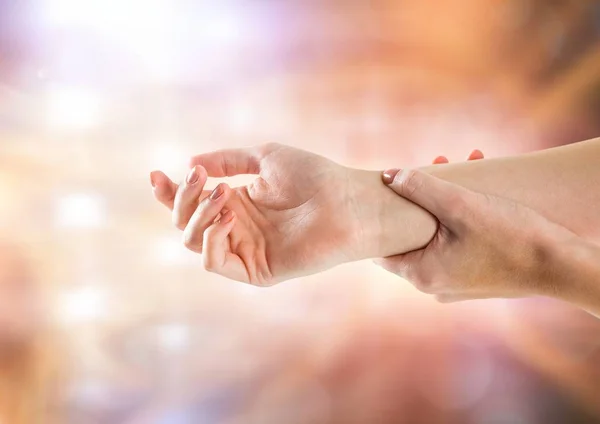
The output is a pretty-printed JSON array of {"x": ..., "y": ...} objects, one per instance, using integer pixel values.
[
  {"x": 410, "y": 182},
  {"x": 192, "y": 242},
  {"x": 203, "y": 207},
  {"x": 269, "y": 147},
  {"x": 226, "y": 166},
  {"x": 457, "y": 205},
  {"x": 209, "y": 263},
  {"x": 178, "y": 221}
]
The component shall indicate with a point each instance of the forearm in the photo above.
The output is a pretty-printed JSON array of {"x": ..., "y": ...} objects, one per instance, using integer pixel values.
[{"x": 559, "y": 183}]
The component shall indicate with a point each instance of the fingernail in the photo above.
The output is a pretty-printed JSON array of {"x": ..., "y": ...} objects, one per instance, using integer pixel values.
[
  {"x": 217, "y": 192},
  {"x": 227, "y": 218},
  {"x": 193, "y": 176},
  {"x": 152, "y": 180},
  {"x": 389, "y": 175}
]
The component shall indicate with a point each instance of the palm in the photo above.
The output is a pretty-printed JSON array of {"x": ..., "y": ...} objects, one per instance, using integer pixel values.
[{"x": 289, "y": 218}]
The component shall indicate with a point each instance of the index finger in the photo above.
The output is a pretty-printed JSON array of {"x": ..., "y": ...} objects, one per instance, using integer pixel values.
[{"x": 231, "y": 162}]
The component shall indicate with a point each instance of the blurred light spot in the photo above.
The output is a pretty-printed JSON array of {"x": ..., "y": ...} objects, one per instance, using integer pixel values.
[
  {"x": 472, "y": 377},
  {"x": 116, "y": 16},
  {"x": 220, "y": 28},
  {"x": 72, "y": 108},
  {"x": 91, "y": 393},
  {"x": 84, "y": 304},
  {"x": 241, "y": 117},
  {"x": 246, "y": 289},
  {"x": 475, "y": 380},
  {"x": 7, "y": 198},
  {"x": 169, "y": 158},
  {"x": 81, "y": 211},
  {"x": 177, "y": 417},
  {"x": 171, "y": 251},
  {"x": 174, "y": 337},
  {"x": 375, "y": 123},
  {"x": 42, "y": 73},
  {"x": 158, "y": 32}
]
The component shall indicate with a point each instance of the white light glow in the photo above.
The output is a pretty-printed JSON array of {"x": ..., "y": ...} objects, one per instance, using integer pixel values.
[
  {"x": 159, "y": 33},
  {"x": 169, "y": 158},
  {"x": 103, "y": 15},
  {"x": 171, "y": 251},
  {"x": 241, "y": 117},
  {"x": 8, "y": 199},
  {"x": 80, "y": 211},
  {"x": 221, "y": 28},
  {"x": 174, "y": 337},
  {"x": 72, "y": 108},
  {"x": 84, "y": 304},
  {"x": 144, "y": 27},
  {"x": 92, "y": 393}
]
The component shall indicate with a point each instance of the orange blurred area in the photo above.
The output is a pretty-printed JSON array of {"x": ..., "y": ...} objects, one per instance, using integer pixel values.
[{"x": 105, "y": 318}]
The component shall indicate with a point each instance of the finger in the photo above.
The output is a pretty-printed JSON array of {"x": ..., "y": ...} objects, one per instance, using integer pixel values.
[
  {"x": 443, "y": 199},
  {"x": 440, "y": 160},
  {"x": 476, "y": 155},
  {"x": 230, "y": 162},
  {"x": 163, "y": 188},
  {"x": 216, "y": 255},
  {"x": 188, "y": 196},
  {"x": 204, "y": 216}
]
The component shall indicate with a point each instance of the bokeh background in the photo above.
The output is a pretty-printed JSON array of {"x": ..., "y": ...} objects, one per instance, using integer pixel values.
[{"x": 105, "y": 318}]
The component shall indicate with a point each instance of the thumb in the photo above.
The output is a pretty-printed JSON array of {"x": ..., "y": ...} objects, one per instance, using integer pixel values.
[{"x": 439, "y": 197}]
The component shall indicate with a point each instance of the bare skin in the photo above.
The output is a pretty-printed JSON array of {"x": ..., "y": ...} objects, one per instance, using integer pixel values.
[
  {"x": 283, "y": 225},
  {"x": 305, "y": 213},
  {"x": 489, "y": 247}
]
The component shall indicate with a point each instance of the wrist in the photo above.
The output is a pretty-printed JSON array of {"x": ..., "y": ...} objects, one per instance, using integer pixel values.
[
  {"x": 384, "y": 223},
  {"x": 576, "y": 275}
]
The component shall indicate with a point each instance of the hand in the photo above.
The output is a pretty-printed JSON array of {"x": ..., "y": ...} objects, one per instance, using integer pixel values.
[
  {"x": 298, "y": 217},
  {"x": 484, "y": 247}
]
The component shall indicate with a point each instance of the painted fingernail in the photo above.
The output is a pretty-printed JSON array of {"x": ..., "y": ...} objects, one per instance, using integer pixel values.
[
  {"x": 227, "y": 218},
  {"x": 389, "y": 175},
  {"x": 217, "y": 192},
  {"x": 476, "y": 154},
  {"x": 193, "y": 176},
  {"x": 152, "y": 180}
]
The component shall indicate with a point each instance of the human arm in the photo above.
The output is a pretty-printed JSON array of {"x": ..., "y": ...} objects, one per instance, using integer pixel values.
[
  {"x": 305, "y": 213},
  {"x": 560, "y": 184},
  {"x": 487, "y": 247}
]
